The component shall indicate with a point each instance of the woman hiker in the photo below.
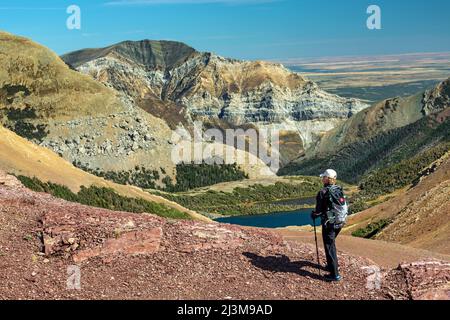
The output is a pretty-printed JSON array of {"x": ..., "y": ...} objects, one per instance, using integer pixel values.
[{"x": 330, "y": 231}]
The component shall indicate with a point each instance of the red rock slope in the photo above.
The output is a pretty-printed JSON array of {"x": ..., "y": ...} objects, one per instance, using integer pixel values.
[{"x": 132, "y": 256}]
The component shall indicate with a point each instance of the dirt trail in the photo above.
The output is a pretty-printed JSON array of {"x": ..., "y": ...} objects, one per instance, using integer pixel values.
[{"x": 385, "y": 254}]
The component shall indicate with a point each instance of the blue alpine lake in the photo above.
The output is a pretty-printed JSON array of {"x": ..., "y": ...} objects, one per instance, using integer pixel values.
[{"x": 273, "y": 220}]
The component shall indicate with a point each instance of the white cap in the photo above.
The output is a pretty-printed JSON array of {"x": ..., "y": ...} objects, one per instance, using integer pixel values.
[{"x": 330, "y": 173}]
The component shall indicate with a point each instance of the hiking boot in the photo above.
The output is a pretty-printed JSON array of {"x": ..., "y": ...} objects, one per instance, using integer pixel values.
[{"x": 332, "y": 278}]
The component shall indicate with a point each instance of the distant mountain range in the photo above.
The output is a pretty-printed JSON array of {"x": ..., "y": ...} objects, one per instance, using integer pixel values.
[
  {"x": 180, "y": 85},
  {"x": 116, "y": 115}
]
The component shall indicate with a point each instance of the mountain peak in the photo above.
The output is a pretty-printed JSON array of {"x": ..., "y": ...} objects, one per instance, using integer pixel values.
[
  {"x": 173, "y": 81},
  {"x": 153, "y": 54}
]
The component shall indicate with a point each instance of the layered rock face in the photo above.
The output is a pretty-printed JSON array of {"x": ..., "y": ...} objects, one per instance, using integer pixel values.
[{"x": 210, "y": 88}]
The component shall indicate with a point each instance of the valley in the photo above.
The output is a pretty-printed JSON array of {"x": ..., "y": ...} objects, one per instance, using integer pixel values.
[{"x": 249, "y": 197}]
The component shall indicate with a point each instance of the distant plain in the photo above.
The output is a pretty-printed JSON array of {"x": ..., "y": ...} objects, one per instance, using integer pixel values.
[{"x": 375, "y": 78}]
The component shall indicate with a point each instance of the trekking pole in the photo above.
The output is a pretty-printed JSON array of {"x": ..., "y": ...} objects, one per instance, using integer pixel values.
[{"x": 317, "y": 246}]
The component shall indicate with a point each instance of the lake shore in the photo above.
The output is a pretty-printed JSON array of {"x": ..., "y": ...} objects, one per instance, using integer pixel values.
[{"x": 271, "y": 220}]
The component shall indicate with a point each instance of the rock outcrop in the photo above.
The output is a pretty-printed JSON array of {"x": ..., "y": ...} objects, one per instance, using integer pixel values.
[
  {"x": 9, "y": 180},
  {"x": 424, "y": 280},
  {"x": 436, "y": 99}
]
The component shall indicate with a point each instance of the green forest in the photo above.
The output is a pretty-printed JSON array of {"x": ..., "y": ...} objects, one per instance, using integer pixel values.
[
  {"x": 188, "y": 177},
  {"x": 20, "y": 121},
  {"x": 140, "y": 176},
  {"x": 192, "y": 176},
  {"x": 102, "y": 198},
  {"x": 256, "y": 199}
]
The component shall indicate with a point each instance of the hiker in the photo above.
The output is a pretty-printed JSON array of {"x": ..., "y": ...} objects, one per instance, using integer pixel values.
[{"x": 331, "y": 208}]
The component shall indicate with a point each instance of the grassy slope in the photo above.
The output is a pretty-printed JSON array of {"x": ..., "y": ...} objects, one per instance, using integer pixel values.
[
  {"x": 425, "y": 222},
  {"x": 54, "y": 89},
  {"x": 21, "y": 157},
  {"x": 420, "y": 215},
  {"x": 381, "y": 117}
]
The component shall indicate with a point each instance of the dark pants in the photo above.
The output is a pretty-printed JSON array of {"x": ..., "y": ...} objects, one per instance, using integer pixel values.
[{"x": 329, "y": 235}]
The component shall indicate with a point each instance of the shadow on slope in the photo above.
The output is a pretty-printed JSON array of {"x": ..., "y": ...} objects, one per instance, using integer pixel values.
[{"x": 283, "y": 263}]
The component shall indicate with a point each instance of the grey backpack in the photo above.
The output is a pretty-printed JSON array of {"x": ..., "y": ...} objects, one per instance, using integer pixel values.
[{"x": 337, "y": 207}]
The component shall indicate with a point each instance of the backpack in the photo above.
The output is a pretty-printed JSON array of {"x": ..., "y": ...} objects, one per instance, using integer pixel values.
[{"x": 337, "y": 207}]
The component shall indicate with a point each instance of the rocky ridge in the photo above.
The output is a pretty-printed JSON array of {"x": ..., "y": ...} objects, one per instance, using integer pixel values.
[
  {"x": 435, "y": 100},
  {"x": 384, "y": 116}
]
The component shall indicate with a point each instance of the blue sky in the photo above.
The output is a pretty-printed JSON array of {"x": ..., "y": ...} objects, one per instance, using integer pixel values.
[{"x": 245, "y": 29}]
